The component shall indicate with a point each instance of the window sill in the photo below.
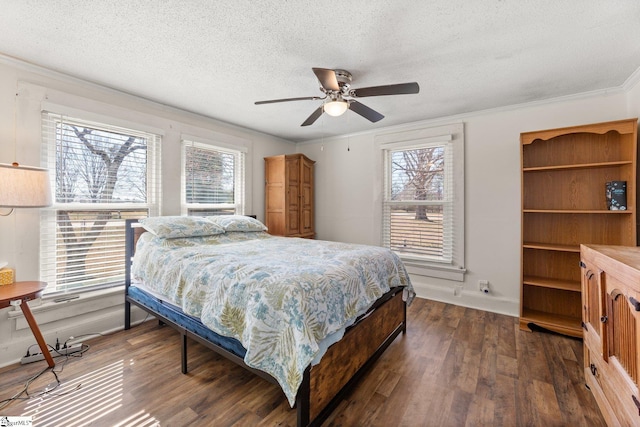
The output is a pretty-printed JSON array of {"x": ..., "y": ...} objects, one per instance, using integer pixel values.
[
  {"x": 432, "y": 270},
  {"x": 48, "y": 310}
]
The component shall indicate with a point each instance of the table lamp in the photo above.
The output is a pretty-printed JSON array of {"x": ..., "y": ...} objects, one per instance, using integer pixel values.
[{"x": 23, "y": 187}]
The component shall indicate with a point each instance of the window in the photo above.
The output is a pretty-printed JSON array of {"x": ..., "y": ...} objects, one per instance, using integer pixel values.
[
  {"x": 212, "y": 179},
  {"x": 417, "y": 205},
  {"x": 101, "y": 176},
  {"x": 422, "y": 202}
]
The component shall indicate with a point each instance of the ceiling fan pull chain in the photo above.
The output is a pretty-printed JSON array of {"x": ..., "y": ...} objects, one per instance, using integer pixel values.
[{"x": 348, "y": 136}]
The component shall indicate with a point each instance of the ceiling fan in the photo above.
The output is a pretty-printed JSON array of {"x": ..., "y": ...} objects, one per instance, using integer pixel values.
[{"x": 338, "y": 95}]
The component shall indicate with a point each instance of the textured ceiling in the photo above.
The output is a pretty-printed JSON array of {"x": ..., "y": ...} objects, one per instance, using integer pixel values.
[{"x": 216, "y": 58}]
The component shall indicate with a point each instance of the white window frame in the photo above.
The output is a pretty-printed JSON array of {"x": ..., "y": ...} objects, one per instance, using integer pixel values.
[
  {"x": 240, "y": 154},
  {"x": 48, "y": 222},
  {"x": 451, "y": 264}
]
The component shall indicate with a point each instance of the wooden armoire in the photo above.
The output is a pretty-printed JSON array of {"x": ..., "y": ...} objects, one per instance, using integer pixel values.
[{"x": 289, "y": 201}]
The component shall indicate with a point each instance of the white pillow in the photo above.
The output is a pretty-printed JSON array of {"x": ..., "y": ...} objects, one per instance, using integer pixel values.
[
  {"x": 170, "y": 227},
  {"x": 238, "y": 223}
]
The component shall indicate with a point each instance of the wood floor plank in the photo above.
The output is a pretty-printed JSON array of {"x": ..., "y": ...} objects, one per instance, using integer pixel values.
[
  {"x": 506, "y": 365},
  {"x": 507, "y": 334},
  {"x": 455, "y": 366},
  {"x": 546, "y": 403},
  {"x": 481, "y": 413},
  {"x": 488, "y": 367},
  {"x": 504, "y": 399},
  {"x": 421, "y": 396},
  {"x": 527, "y": 413}
]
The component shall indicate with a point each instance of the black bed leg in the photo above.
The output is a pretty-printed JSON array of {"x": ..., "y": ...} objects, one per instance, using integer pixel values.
[
  {"x": 303, "y": 399},
  {"x": 127, "y": 315},
  {"x": 404, "y": 323},
  {"x": 184, "y": 353}
]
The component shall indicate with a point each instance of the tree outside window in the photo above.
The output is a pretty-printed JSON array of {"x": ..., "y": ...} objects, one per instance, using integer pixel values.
[
  {"x": 416, "y": 202},
  {"x": 102, "y": 177}
]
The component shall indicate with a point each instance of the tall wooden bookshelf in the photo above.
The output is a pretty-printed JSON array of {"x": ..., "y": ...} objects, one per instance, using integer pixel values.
[{"x": 564, "y": 173}]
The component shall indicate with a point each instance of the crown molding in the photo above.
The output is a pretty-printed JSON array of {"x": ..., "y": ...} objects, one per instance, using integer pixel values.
[
  {"x": 62, "y": 77},
  {"x": 632, "y": 81},
  {"x": 458, "y": 118}
]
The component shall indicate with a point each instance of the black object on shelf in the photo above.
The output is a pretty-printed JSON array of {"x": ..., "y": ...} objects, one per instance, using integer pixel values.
[{"x": 616, "y": 192}]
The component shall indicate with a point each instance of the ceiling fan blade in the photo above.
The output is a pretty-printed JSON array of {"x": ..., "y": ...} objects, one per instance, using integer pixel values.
[
  {"x": 364, "y": 111},
  {"x": 313, "y": 117},
  {"x": 327, "y": 78},
  {"x": 273, "y": 101},
  {"x": 397, "y": 89}
]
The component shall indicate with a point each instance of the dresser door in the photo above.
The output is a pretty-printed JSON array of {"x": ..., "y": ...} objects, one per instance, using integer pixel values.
[
  {"x": 620, "y": 319},
  {"x": 593, "y": 303}
]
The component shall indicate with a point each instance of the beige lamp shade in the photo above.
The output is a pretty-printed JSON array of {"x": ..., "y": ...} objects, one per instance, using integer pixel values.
[{"x": 24, "y": 187}]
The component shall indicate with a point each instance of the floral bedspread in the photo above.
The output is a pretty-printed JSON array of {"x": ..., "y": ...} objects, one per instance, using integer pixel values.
[{"x": 278, "y": 296}]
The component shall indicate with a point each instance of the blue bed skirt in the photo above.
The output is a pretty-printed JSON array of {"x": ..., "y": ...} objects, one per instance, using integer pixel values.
[{"x": 190, "y": 323}]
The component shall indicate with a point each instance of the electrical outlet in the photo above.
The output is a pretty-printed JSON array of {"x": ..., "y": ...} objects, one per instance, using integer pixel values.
[
  {"x": 31, "y": 358},
  {"x": 457, "y": 291},
  {"x": 483, "y": 286},
  {"x": 74, "y": 348}
]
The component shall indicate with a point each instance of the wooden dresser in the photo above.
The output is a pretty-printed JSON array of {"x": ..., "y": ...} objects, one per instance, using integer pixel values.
[
  {"x": 289, "y": 199},
  {"x": 611, "y": 323}
]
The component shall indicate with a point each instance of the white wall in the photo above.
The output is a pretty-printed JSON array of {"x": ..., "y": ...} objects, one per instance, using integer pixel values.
[
  {"x": 348, "y": 199},
  {"x": 19, "y": 232}
]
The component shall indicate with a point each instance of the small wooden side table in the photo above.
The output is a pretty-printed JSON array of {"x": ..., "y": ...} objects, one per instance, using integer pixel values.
[{"x": 18, "y": 293}]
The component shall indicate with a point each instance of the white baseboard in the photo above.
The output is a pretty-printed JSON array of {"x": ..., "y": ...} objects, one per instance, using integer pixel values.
[{"x": 468, "y": 298}]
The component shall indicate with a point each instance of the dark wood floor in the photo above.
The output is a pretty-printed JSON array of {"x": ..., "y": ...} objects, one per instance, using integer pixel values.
[{"x": 454, "y": 367}]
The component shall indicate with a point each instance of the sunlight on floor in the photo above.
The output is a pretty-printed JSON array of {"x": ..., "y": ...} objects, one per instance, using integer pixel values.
[{"x": 86, "y": 399}]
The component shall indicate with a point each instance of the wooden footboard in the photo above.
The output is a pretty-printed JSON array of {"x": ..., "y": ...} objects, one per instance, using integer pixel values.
[{"x": 348, "y": 359}]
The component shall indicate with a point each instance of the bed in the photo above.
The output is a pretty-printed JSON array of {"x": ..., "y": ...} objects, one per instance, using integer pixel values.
[{"x": 310, "y": 316}]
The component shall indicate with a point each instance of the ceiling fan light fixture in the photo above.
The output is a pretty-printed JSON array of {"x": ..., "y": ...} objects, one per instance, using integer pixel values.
[{"x": 335, "y": 107}]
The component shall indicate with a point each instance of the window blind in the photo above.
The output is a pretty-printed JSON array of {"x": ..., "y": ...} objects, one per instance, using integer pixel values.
[
  {"x": 213, "y": 179},
  {"x": 101, "y": 176},
  {"x": 418, "y": 213}
]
